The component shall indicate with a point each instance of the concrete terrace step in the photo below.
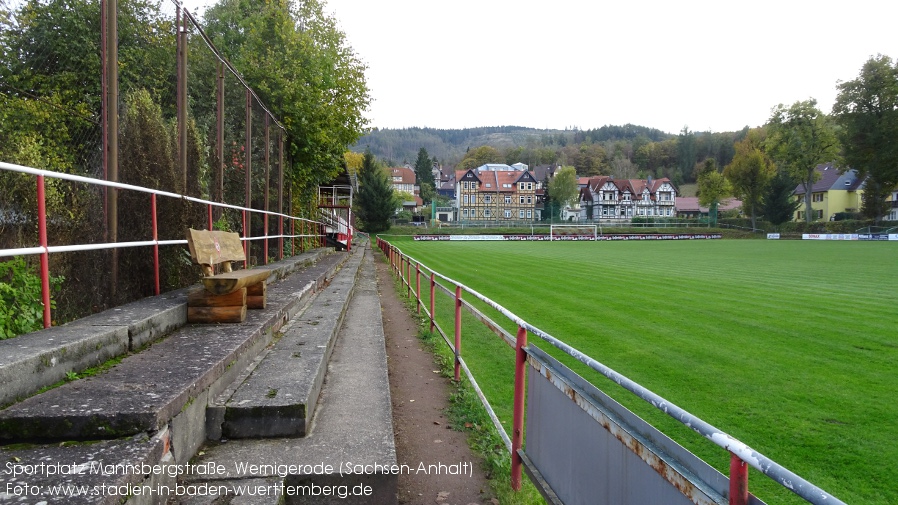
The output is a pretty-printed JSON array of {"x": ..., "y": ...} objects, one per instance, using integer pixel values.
[
  {"x": 279, "y": 393},
  {"x": 36, "y": 360},
  {"x": 172, "y": 377},
  {"x": 83, "y": 473},
  {"x": 352, "y": 424}
]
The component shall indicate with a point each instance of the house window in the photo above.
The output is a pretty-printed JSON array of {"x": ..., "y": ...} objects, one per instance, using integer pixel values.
[
  {"x": 817, "y": 197},
  {"x": 522, "y": 200},
  {"x": 466, "y": 198},
  {"x": 507, "y": 198},
  {"x": 529, "y": 199},
  {"x": 818, "y": 214},
  {"x": 486, "y": 213},
  {"x": 464, "y": 212},
  {"x": 626, "y": 197},
  {"x": 507, "y": 214},
  {"x": 521, "y": 213},
  {"x": 489, "y": 185},
  {"x": 529, "y": 186},
  {"x": 800, "y": 215},
  {"x": 529, "y": 214},
  {"x": 487, "y": 198}
]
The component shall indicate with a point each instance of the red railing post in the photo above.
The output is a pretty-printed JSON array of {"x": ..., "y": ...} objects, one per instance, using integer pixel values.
[
  {"x": 418, "y": 287},
  {"x": 738, "y": 481},
  {"x": 156, "y": 239},
  {"x": 280, "y": 237},
  {"x": 432, "y": 314},
  {"x": 457, "y": 332},
  {"x": 408, "y": 276},
  {"x": 210, "y": 213},
  {"x": 45, "y": 256},
  {"x": 245, "y": 242},
  {"x": 517, "y": 431}
]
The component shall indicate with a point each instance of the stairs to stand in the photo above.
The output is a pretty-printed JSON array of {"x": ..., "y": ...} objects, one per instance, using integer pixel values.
[{"x": 188, "y": 388}]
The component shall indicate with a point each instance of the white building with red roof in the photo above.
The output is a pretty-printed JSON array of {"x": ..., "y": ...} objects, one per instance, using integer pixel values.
[
  {"x": 604, "y": 197},
  {"x": 404, "y": 180}
]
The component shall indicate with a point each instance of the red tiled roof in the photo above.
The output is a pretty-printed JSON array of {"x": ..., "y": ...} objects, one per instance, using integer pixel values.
[
  {"x": 407, "y": 174},
  {"x": 690, "y": 204}
]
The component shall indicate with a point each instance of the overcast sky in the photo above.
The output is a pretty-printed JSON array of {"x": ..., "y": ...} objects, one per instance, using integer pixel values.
[{"x": 708, "y": 65}]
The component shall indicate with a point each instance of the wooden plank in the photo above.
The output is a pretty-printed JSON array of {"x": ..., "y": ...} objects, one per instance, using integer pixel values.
[
  {"x": 233, "y": 314},
  {"x": 258, "y": 289},
  {"x": 256, "y": 295},
  {"x": 214, "y": 247},
  {"x": 255, "y": 302},
  {"x": 200, "y": 297},
  {"x": 225, "y": 283}
]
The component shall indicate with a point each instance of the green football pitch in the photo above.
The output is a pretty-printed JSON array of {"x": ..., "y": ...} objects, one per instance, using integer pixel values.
[{"x": 790, "y": 346}]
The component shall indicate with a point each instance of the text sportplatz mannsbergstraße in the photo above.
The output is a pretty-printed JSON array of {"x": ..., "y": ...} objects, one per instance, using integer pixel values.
[
  {"x": 18, "y": 486},
  {"x": 236, "y": 469}
]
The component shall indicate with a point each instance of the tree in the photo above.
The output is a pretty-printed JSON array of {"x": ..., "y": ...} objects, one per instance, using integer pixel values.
[
  {"x": 712, "y": 188},
  {"x": 49, "y": 54},
  {"x": 866, "y": 109},
  {"x": 480, "y": 156},
  {"x": 749, "y": 173},
  {"x": 426, "y": 192},
  {"x": 686, "y": 153},
  {"x": 623, "y": 168},
  {"x": 424, "y": 174},
  {"x": 779, "y": 205},
  {"x": 376, "y": 200},
  {"x": 353, "y": 161},
  {"x": 799, "y": 138},
  {"x": 563, "y": 186},
  {"x": 313, "y": 82}
]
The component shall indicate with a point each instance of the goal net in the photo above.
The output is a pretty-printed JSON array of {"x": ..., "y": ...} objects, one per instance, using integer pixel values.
[{"x": 573, "y": 232}]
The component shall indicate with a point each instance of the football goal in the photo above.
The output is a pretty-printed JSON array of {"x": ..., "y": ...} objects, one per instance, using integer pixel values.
[{"x": 573, "y": 232}]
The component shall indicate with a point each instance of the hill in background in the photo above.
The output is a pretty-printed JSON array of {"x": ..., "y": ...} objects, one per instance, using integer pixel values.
[{"x": 399, "y": 146}]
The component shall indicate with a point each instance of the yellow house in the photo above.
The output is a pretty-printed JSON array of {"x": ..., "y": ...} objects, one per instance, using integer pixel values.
[
  {"x": 893, "y": 206},
  {"x": 833, "y": 192}
]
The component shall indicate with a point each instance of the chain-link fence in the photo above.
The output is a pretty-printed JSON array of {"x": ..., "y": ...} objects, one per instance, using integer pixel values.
[{"x": 183, "y": 120}]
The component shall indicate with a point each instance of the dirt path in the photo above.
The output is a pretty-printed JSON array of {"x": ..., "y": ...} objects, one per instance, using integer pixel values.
[{"x": 420, "y": 398}]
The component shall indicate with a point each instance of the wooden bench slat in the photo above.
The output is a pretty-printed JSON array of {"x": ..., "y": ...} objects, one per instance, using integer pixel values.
[{"x": 228, "y": 282}]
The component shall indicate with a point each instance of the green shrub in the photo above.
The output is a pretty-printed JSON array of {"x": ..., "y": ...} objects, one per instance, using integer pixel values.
[{"x": 21, "y": 307}]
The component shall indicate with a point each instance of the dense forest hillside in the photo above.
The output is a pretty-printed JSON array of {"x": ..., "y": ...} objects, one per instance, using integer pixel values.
[
  {"x": 399, "y": 146},
  {"x": 625, "y": 151}
]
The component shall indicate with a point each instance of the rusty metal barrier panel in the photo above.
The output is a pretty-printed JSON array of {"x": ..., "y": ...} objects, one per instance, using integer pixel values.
[{"x": 583, "y": 447}]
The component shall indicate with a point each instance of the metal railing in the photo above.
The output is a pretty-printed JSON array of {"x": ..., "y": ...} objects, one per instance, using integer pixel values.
[
  {"x": 308, "y": 228},
  {"x": 742, "y": 456}
]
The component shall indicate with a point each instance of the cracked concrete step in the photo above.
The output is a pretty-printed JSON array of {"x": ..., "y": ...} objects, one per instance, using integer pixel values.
[
  {"x": 352, "y": 426},
  {"x": 278, "y": 396},
  {"x": 43, "y": 358},
  {"x": 146, "y": 390},
  {"x": 103, "y": 473}
]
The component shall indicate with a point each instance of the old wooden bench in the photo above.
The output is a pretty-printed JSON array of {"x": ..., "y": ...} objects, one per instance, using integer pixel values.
[{"x": 224, "y": 297}]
